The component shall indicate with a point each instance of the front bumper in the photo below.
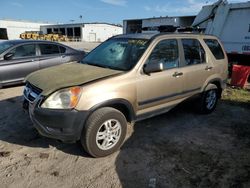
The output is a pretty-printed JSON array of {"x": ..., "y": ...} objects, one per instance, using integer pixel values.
[{"x": 64, "y": 125}]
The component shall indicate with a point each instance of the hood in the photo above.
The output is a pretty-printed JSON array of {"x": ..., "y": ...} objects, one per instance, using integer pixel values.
[{"x": 67, "y": 75}]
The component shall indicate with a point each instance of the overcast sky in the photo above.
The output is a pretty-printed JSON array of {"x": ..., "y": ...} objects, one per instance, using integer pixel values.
[{"x": 112, "y": 11}]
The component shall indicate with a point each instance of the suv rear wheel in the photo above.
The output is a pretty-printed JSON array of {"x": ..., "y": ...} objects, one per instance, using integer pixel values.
[
  {"x": 208, "y": 101},
  {"x": 104, "y": 132}
]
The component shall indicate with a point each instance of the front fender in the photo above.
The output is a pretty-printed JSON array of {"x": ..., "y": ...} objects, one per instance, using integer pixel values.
[{"x": 116, "y": 103}]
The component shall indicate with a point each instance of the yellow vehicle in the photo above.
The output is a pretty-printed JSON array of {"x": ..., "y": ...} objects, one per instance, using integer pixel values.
[
  {"x": 47, "y": 37},
  {"x": 23, "y": 35},
  {"x": 55, "y": 37},
  {"x": 41, "y": 37},
  {"x": 30, "y": 35},
  {"x": 63, "y": 38},
  {"x": 37, "y": 35}
]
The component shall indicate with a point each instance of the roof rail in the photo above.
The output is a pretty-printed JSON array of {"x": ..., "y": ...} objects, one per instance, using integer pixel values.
[
  {"x": 161, "y": 28},
  {"x": 174, "y": 29},
  {"x": 191, "y": 30}
]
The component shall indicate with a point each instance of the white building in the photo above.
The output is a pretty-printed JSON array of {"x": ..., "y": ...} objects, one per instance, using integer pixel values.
[
  {"x": 11, "y": 29},
  {"x": 89, "y": 32}
]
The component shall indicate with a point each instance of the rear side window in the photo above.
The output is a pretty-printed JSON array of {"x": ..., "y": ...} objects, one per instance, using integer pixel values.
[
  {"x": 215, "y": 48},
  {"x": 24, "y": 51},
  {"x": 165, "y": 52},
  {"x": 193, "y": 51},
  {"x": 47, "y": 49}
]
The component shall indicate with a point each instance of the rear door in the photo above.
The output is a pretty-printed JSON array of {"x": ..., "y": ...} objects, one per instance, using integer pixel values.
[
  {"x": 196, "y": 68},
  {"x": 24, "y": 61},
  {"x": 50, "y": 55}
]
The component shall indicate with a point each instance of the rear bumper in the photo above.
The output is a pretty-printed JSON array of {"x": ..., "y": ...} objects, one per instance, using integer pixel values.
[{"x": 64, "y": 125}]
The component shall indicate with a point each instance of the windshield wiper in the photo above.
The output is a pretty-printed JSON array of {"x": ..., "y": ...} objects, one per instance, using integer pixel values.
[
  {"x": 100, "y": 65},
  {"x": 86, "y": 62}
]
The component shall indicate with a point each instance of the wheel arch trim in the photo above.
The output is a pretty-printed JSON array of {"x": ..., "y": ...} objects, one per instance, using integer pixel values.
[
  {"x": 210, "y": 86},
  {"x": 117, "y": 104}
]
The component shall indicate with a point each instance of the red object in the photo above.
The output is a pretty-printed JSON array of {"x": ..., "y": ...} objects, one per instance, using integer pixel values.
[{"x": 239, "y": 75}]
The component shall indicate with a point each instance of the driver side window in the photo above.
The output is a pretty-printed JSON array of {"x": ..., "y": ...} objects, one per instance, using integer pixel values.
[
  {"x": 24, "y": 51},
  {"x": 165, "y": 52}
]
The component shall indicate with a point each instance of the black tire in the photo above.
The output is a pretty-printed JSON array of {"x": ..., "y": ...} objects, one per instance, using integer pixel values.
[
  {"x": 203, "y": 104},
  {"x": 96, "y": 122}
]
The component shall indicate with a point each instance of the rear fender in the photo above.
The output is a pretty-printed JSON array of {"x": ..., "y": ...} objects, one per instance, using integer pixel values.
[{"x": 210, "y": 87}]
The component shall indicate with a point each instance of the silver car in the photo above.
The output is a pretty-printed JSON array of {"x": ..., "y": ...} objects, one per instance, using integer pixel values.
[{"x": 18, "y": 58}]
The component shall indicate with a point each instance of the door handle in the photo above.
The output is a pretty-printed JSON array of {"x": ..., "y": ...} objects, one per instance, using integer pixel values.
[
  {"x": 208, "y": 68},
  {"x": 63, "y": 56},
  {"x": 177, "y": 74}
]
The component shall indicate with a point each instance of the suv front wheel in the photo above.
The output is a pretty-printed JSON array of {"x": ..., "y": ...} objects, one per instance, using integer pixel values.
[{"x": 104, "y": 132}]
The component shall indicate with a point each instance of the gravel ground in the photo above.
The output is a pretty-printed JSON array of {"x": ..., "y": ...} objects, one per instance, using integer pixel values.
[{"x": 176, "y": 149}]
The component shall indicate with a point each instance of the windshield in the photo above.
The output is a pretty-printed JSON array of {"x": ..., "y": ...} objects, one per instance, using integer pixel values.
[
  {"x": 4, "y": 45},
  {"x": 118, "y": 53}
]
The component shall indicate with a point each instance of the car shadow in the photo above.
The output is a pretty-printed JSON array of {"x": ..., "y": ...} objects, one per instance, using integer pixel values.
[
  {"x": 140, "y": 161},
  {"x": 183, "y": 149},
  {"x": 16, "y": 128}
]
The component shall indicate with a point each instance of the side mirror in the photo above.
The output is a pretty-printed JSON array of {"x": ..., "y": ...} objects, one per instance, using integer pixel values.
[
  {"x": 153, "y": 67},
  {"x": 8, "y": 56}
]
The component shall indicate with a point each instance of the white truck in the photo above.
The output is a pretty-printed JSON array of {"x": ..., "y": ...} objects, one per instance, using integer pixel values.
[{"x": 231, "y": 24}]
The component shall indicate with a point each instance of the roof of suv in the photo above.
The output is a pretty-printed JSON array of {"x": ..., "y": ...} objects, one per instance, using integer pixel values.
[{"x": 153, "y": 35}]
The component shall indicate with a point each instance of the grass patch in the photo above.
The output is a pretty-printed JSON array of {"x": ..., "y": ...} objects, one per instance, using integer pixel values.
[{"x": 236, "y": 96}]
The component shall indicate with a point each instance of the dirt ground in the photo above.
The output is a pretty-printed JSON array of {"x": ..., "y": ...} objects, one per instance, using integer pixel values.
[
  {"x": 85, "y": 46},
  {"x": 176, "y": 149}
]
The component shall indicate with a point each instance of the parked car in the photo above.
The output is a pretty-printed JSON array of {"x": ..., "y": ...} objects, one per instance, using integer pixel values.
[
  {"x": 126, "y": 79},
  {"x": 18, "y": 58}
]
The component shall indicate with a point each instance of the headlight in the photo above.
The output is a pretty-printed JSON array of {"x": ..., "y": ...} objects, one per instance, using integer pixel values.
[{"x": 63, "y": 99}]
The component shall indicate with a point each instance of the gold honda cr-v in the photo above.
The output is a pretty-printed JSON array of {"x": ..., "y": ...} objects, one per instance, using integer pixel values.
[{"x": 125, "y": 79}]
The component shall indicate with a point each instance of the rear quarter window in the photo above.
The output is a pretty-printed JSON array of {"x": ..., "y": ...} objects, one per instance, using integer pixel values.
[{"x": 215, "y": 48}]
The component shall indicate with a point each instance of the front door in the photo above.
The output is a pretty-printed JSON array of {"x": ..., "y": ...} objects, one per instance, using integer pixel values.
[{"x": 160, "y": 90}]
